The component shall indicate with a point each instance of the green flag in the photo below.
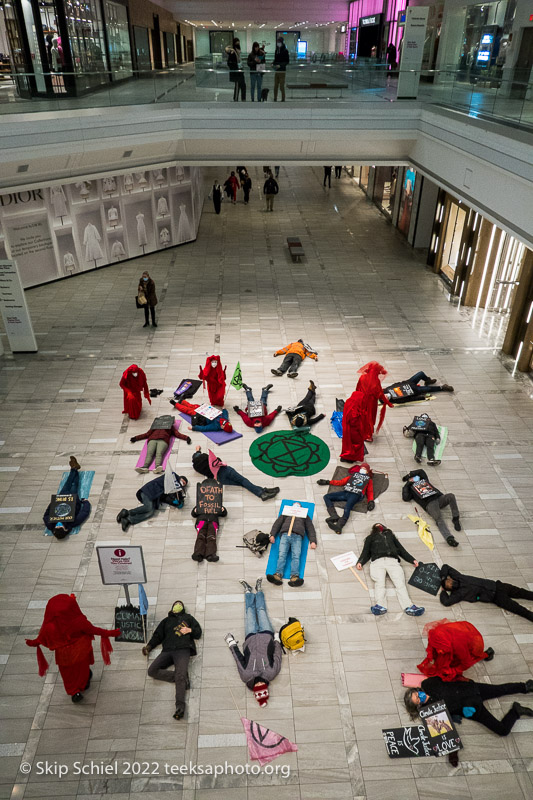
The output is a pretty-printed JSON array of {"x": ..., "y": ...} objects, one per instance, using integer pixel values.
[{"x": 237, "y": 377}]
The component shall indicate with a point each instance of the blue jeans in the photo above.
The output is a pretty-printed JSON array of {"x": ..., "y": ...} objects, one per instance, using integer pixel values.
[
  {"x": 350, "y": 498},
  {"x": 289, "y": 544},
  {"x": 256, "y": 80},
  {"x": 228, "y": 476},
  {"x": 264, "y": 395},
  {"x": 72, "y": 483},
  {"x": 255, "y": 615},
  {"x": 421, "y": 376}
]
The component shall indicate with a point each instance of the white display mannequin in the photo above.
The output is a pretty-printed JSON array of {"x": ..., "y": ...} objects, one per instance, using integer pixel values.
[
  {"x": 59, "y": 201},
  {"x": 109, "y": 185},
  {"x": 117, "y": 250},
  {"x": 55, "y": 55},
  {"x": 158, "y": 176},
  {"x": 141, "y": 230},
  {"x": 164, "y": 236},
  {"x": 128, "y": 182},
  {"x": 180, "y": 174},
  {"x": 84, "y": 189},
  {"x": 185, "y": 233},
  {"x": 141, "y": 179},
  {"x": 69, "y": 262},
  {"x": 91, "y": 240},
  {"x": 162, "y": 207},
  {"x": 112, "y": 216}
]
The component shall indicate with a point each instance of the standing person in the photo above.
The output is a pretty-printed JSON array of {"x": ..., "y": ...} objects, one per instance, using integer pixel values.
[
  {"x": 256, "y": 57},
  {"x": 294, "y": 353},
  {"x": 384, "y": 552},
  {"x": 457, "y": 587},
  {"x": 236, "y": 75},
  {"x": 370, "y": 384},
  {"x": 213, "y": 467},
  {"x": 391, "y": 56},
  {"x": 276, "y": 172},
  {"x": 158, "y": 442},
  {"x": 83, "y": 507},
  {"x": 231, "y": 186},
  {"x": 216, "y": 194},
  {"x": 281, "y": 59},
  {"x": 353, "y": 488},
  {"x": 453, "y": 647},
  {"x": 263, "y": 420},
  {"x": 417, "y": 487},
  {"x": 353, "y": 440},
  {"x": 69, "y": 634},
  {"x": 270, "y": 190},
  {"x": 338, "y": 172},
  {"x": 327, "y": 176},
  {"x": 246, "y": 184},
  {"x": 426, "y": 434},
  {"x": 260, "y": 661},
  {"x": 214, "y": 375},
  {"x": 177, "y": 634},
  {"x": 291, "y": 546},
  {"x": 303, "y": 414},
  {"x": 147, "y": 287},
  {"x": 132, "y": 383}
]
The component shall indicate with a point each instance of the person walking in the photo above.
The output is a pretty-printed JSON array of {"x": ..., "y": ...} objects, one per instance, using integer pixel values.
[
  {"x": 236, "y": 75},
  {"x": 246, "y": 184},
  {"x": 281, "y": 59},
  {"x": 177, "y": 634},
  {"x": 256, "y": 63},
  {"x": 147, "y": 288},
  {"x": 338, "y": 172},
  {"x": 231, "y": 186},
  {"x": 370, "y": 385},
  {"x": 270, "y": 190},
  {"x": 457, "y": 587},
  {"x": 216, "y": 194},
  {"x": 327, "y": 176}
]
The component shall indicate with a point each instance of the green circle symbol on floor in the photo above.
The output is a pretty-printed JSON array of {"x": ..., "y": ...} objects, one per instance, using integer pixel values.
[{"x": 284, "y": 453}]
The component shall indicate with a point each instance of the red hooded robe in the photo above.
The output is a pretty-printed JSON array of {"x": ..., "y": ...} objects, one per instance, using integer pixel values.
[
  {"x": 453, "y": 647},
  {"x": 370, "y": 385},
  {"x": 132, "y": 387},
  {"x": 353, "y": 444},
  {"x": 68, "y": 632},
  {"x": 215, "y": 377}
]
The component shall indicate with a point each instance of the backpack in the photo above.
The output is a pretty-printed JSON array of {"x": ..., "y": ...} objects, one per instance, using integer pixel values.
[
  {"x": 256, "y": 541},
  {"x": 292, "y": 635}
]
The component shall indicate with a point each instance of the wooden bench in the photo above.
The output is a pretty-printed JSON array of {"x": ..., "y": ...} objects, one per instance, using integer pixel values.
[
  {"x": 309, "y": 87},
  {"x": 295, "y": 248}
]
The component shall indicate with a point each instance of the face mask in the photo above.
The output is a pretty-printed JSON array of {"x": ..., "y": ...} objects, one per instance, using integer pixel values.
[
  {"x": 424, "y": 416},
  {"x": 177, "y": 608},
  {"x": 214, "y": 364},
  {"x": 415, "y": 478},
  {"x": 362, "y": 471},
  {"x": 422, "y": 696},
  {"x": 134, "y": 374},
  {"x": 145, "y": 279}
]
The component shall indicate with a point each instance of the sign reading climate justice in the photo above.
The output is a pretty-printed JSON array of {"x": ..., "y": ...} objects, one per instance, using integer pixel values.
[{"x": 121, "y": 564}]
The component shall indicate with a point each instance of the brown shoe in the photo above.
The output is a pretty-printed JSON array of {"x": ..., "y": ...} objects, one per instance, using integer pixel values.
[
  {"x": 447, "y": 388},
  {"x": 276, "y": 578},
  {"x": 73, "y": 464},
  {"x": 296, "y": 581}
]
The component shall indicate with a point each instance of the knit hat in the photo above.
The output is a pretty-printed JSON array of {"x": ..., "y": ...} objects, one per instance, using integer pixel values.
[
  {"x": 260, "y": 691},
  {"x": 226, "y": 425}
]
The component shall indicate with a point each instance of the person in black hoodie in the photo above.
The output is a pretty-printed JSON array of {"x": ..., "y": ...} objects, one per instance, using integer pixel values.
[
  {"x": 466, "y": 698},
  {"x": 213, "y": 467},
  {"x": 281, "y": 59},
  {"x": 236, "y": 75},
  {"x": 418, "y": 487},
  {"x": 304, "y": 413},
  {"x": 177, "y": 634},
  {"x": 457, "y": 587},
  {"x": 426, "y": 434}
]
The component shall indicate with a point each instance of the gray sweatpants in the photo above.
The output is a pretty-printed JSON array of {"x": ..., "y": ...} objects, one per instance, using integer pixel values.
[{"x": 435, "y": 510}]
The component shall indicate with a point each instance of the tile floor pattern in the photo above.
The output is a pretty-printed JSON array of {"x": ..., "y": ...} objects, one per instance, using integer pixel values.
[{"x": 361, "y": 293}]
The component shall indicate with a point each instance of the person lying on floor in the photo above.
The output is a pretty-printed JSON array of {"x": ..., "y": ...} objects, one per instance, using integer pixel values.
[
  {"x": 255, "y": 415},
  {"x": 294, "y": 353},
  {"x": 426, "y": 434},
  {"x": 418, "y": 487},
  {"x": 303, "y": 415},
  {"x": 83, "y": 507},
  {"x": 356, "y": 486},
  {"x": 291, "y": 546},
  {"x": 201, "y": 423},
  {"x": 406, "y": 391},
  {"x": 457, "y": 587},
  {"x": 158, "y": 443},
  {"x": 151, "y": 496},
  {"x": 211, "y": 466},
  {"x": 207, "y": 527}
]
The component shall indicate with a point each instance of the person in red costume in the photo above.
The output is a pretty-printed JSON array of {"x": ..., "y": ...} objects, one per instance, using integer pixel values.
[
  {"x": 370, "y": 384},
  {"x": 133, "y": 382},
  {"x": 353, "y": 444},
  {"x": 68, "y": 632},
  {"x": 215, "y": 376},
  {"x": 453, "y": 647}
]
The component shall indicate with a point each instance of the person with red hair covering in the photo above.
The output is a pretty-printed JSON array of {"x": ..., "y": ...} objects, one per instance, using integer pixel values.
[
  {"x": 370, "y": 384},
  {"x": 132, "y": 383},
  {"x": 68, "y": 632},
  {"x": 453, "y": 647},
  {"x": 353, "y": 440},
  {"x": 215, "y": 376}
]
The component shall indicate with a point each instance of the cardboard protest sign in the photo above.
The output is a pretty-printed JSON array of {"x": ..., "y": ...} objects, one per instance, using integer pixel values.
[
  {"x": 163, "y": 423},
  {"x": 63, "y": 507},
  {"x": 411, "y": 741},
  {"x": 209, "y": 497},
  {"x": 187, "y": 388},
  {"x": 207, "y": 411},
  {"x": 348, "y": 561},
  {"x": 441, "y": 729},
  {"x": 132, "y": 624},
  {"x": 255, "y": 409},
  {"x": 427, "y": 578}
]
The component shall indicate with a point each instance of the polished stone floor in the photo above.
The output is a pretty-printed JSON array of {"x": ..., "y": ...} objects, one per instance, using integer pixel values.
[{"x": 360, "y": 293}]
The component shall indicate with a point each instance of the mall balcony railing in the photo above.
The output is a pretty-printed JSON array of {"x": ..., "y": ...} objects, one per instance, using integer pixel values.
[{"x": 475, "y": 91}]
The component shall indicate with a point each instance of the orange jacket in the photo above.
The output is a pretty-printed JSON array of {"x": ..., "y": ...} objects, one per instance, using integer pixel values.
[{"x": 298, "y": 348}]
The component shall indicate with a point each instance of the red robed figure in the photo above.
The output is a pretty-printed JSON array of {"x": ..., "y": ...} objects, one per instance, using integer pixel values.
[
  {"x": 133, "y": 382},
  {"x": 353, "y": 445},
  {"x": 68, "y": 632},
  {"x": 215, "y": 378},
  {"x": 453, "y": 647},
  {"x": 370, "y": 384}
]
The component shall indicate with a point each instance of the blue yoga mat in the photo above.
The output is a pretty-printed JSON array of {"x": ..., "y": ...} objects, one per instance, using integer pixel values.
[
  {"x": 86, "y": 481},
  {"x": 274, "y": 548}
]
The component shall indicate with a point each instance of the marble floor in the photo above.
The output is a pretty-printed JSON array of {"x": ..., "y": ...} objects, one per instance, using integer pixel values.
[{"x": 360, "y": 293}]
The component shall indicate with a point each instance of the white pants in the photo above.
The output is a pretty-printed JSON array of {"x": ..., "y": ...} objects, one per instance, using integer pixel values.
[{"x": 378, "y": 572}]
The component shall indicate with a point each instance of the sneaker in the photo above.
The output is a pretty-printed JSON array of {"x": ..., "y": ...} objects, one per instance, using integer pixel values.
[
  {"x": 267, "y": 494},
  {"x": 179, "y": 713},
  {"x": 489, "y": 652},
  {"x": 418, "y": 460},
  {"x": 333, "y": 518},
  {"x": 267, "y": 388},
  {"x": 430, "y": 381},
  {"x": 378, "y": 611},
  {"x": 456, "y": 523},
  {"x": 159, "y": 469},
  {"x": 522, "y": 711},
  {"x": 447, "y": 388},
  {"x": 292, "y": 374},
  {"x": 77, "y": 697},
  {"x": 247, "y": 587},
  {"x": 434, "y": 462},
  {"x": 245, "y": 387},
  {"x": 415, "y": 611},
  {"x": 122, "y": 513},
  {"x": 276, "y": 579},
  {"x": 229, "y": 638},
  {"x": 452, "y": 541},
  {"x": 295, "y": 580},
  {"x": 73, "y": 463},
  {"x": 258, "y": 585},
  {"x": 142, "y": 470},
  {"x": 453, "y": 758},
  {"x": 277, "y": 372}
]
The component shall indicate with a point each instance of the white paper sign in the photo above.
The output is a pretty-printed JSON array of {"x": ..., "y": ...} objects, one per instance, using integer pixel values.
[
  {"x": 15, "y": 312},
  {"x": 345, "y": 560},
  {"x": 295, "y": 511},
  {"x": 121, "y": 564},
  {"x": 412, "y": 51},
  {"x": 208, "y": 411}
]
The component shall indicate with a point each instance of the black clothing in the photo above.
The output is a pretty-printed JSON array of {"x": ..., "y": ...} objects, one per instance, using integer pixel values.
[
  {"x": 424, "y": 425},
  {"x": 281, "y": 58},
  {"x": 158, "y": 670},
  {"x": 383, "y": 544},
  {"x": 152, "y": 312},
  {"x": 271, "y": 186},
  {"x": 338, "y": 172},
  {"x": 304, "y": 410},
  {"x": 426, "y": 440},
  {"x": 472, "y": 590},
  {"x": 423, "y": 492},
  {"x": 246, "y": 187},
  {"x": 200, "y": 462},
  {"x": 168, "y": 635},
  {"x": 154, "y": 490},
  {"x": 327, "y": 175},
  {"x": 463, "y": 694},
  {"x": 217, "y": 197}
]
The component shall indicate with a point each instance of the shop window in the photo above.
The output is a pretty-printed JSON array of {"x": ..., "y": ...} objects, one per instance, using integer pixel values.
[
  {"x": 452, "y": 240},
  {"x": 85, "y": 27},
  {"x": 363, "y": 178},
  {"x": 118, "y": 38},
  {"x": 406, "y": 200},
  {"x": 385, "y": 188},
  {"x": 142, "y": 49}
]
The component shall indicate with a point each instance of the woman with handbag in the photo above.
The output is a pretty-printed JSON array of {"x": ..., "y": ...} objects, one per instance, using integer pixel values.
[
  {"x": 256, "y": 62},
  {"x": 147, "y": 298}
]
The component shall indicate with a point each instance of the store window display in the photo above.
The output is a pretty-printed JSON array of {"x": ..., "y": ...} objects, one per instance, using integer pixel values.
[
  {"x": 86, "y": 36},
  {"x": 118, "y": 38}
]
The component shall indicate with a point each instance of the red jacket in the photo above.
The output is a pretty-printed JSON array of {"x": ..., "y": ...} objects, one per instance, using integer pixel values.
[
  {"x": 265, "y": 420},
  {"x": 368, "y": 490}
]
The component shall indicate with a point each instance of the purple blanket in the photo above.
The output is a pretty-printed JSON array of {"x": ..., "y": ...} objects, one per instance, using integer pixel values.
[{"x": 218, "y": 437}]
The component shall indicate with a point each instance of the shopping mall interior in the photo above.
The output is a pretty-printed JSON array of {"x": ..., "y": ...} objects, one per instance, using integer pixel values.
[{"x": 355, "y": 252}]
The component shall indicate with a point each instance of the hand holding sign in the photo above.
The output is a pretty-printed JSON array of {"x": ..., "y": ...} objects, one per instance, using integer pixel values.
[
  {"x": 294, "y": 511},
  {"x": 349, "y": 561}
]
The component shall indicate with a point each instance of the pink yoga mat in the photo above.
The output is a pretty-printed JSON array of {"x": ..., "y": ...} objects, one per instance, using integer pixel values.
[{"x": 140, "y": 462}]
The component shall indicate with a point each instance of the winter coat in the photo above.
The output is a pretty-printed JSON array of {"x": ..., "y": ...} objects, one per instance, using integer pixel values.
[
  {"x": 200, "y": 463},
  {"x": 148, "y": 287},
  {"x": 154, "y": 490},
  {"x": 429, "y": 428},
  {"x": 252, "y": 63},
  {"x": 270, "y": 186},
  {"x": 281, "y": 58},
  {"x": 456, "y": 694},
  {"x": 167, "y": 633},
  {"x": 302, "y": 526},
  {"x": 355, "y": 483},
  {"x": 383, "y": 544},
  {"x": 261, "y": 659},
  {"x": 422, "y": 492},
  {"x": 466, "y": 587},
  {"x": 265, "y": 419},
  {"x": 234, "y": 57},
  {"x": 305, "y": 412},
  {"x": 298, "y": 348},
  {"x": 83, "y": 509},
  {"x": 160, "y": 433}
]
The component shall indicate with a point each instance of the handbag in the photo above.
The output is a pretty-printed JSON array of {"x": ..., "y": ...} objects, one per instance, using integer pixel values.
[{"x": 140, "y": 300}]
